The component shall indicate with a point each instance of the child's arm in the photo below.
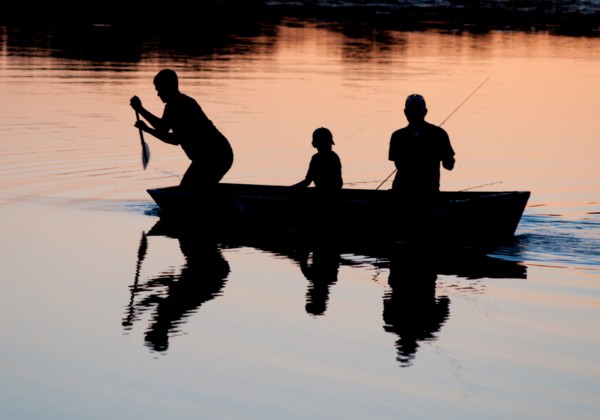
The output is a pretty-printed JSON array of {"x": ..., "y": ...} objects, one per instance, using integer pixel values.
[{"x": 302, "y": 184}]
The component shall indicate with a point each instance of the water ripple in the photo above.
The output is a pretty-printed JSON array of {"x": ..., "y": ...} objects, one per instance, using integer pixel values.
[{"x": 557, "y": 242}]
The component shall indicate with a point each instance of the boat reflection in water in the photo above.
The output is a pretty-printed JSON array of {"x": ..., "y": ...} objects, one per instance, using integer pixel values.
[{"x": 411, "y": 309}]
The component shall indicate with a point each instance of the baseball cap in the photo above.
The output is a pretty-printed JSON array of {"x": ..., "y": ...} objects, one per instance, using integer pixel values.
[
  {"x": 416, "y": 102},
  {"x": 323, "y": 134}
]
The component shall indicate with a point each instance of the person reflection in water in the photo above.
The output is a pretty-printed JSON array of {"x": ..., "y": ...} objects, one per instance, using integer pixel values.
[
  {"x": 322, "y": 273},
  {"x": 410, "y": 307},
  {"x": 202, "y": 278},
  {"x": 184, "y": 123}
]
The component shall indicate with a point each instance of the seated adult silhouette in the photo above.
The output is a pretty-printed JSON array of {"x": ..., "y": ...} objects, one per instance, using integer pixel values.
[{"x": 417, "y": 151}]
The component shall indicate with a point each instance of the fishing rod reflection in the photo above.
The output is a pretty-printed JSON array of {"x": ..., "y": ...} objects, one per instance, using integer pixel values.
[{"x": 413, "y": 309}]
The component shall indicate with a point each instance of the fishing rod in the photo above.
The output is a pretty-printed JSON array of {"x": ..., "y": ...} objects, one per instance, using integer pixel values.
[
  {"x": 361, "y": 182},
  {"x": 142, "y": 250},
  {"x": 447, "y": 118},
  {"x": 462, "y": 103},
  {"x": 482, "y": 185}
]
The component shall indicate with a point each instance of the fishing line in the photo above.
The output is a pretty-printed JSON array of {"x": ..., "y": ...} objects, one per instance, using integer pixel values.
[
  {"x": 164, "y": 171},
  {"x": 448, "y": 117}
]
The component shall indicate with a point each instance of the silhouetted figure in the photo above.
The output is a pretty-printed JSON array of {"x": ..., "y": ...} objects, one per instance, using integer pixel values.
[
  {"x": 176, "y": 297},
  {"x": 201, "y": 279},
  {"x": 322, "y": 273},
  {"x": 325, "y": 168},
  {"x": 417, "y": 151},
  {"x": 410, "y": 307},
  {"x": 184, "y": 123}
]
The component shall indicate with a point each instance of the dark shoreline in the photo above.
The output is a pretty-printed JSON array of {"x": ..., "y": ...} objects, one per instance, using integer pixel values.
[{"x": 557, "y": 17}]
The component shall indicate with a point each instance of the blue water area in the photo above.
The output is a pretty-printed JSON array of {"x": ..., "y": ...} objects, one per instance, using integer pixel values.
[{"x": 556, "y": 241}]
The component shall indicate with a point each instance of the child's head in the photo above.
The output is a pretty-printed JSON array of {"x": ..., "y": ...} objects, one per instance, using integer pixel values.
[{"x": 322, "y": 139}]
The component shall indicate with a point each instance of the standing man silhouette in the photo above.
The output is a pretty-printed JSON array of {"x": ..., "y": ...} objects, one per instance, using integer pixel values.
[{"x": 184, "y": 123}]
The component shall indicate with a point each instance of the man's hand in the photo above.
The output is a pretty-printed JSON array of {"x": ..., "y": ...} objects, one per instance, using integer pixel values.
[
  {"x": 136, "y": 103},
  {"x": 141, "y": 125},
  {"x": 449, "y": 163}
]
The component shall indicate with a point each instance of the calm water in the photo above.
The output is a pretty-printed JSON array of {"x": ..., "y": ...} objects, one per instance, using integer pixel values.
[{"x": 104, "y": 318}]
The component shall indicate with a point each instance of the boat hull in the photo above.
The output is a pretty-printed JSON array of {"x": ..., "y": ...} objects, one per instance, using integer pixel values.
[{"x": 454, "y": 217}]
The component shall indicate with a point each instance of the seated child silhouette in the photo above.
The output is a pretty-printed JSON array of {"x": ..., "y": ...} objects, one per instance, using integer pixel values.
[{"x": 325, "y": 168}]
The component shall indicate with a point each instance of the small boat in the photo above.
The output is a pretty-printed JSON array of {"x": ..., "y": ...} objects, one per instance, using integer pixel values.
[{"x": 467, "y": 217}]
